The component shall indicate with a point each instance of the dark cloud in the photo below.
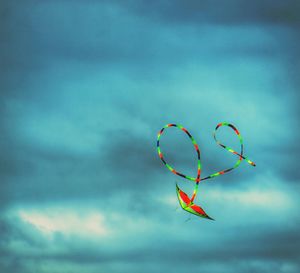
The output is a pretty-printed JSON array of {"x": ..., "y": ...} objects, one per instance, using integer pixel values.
[{"x": 241, "y": 12}]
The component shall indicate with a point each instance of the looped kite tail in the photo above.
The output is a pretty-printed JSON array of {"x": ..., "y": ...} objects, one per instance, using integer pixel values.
[{"x": 188, "y": 203}]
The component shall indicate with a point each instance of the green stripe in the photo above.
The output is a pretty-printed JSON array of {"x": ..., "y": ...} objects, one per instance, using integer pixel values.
[{"x": 169, "y": 167}]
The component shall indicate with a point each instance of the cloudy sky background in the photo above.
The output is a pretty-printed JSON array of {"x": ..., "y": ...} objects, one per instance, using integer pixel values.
[{"x": 86, "y": 85}]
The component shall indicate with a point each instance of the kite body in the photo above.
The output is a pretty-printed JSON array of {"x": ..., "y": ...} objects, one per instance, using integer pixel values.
[{"x": 185, "y": 201}]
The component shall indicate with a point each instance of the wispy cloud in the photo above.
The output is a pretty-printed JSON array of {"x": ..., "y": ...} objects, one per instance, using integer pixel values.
[{"x": 66, "y": 222}]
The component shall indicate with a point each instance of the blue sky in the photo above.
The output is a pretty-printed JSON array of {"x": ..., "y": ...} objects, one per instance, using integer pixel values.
[{"x": 85, "y": 87}]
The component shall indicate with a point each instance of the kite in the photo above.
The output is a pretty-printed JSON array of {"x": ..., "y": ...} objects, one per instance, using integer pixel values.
[{"x": 185, "y": 201}]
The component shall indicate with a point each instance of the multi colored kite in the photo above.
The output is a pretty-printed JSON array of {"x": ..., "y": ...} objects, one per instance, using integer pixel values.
[{"x": 185, "y": 201}]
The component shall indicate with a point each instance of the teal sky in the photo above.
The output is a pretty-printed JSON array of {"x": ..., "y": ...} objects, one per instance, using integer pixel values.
[{"x": 84, "y": 88}]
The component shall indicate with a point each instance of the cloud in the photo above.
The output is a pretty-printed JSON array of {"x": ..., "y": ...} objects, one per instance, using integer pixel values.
[
  {"x": 72, "y": 246},
  {"x": 233, "y": 12},
  {"x": 85, "y": 87},
  {"x": 66, "y": 222}
]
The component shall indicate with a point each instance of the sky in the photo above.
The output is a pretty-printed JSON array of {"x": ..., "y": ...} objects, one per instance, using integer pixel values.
[{"x": 85, "y": 86}]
